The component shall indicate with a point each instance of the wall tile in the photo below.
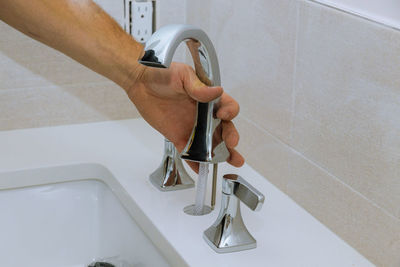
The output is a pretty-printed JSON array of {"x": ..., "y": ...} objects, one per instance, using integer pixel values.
[
  {"x": 172, "y": 12},
  {"x": 15, "y": 74},
  {"x": 255, "y": 43},
  {"x": 369, "y": 229},
  {"x": 19, "y": 47},
  {"x": 267, "y": 154},
  {"x": 9, "y": 34},
  {"x": 348, "y": 101},
  {"x": 40, "y": 86},
  {"x": 55, "y": 105},
  {"x": 357, "y": 220},
  {"x": 25, "y": 62},
  {"x": 198, "y": 13}
]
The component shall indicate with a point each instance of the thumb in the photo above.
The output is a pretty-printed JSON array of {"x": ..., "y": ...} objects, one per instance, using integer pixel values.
[{"x": 198, "y": 90}]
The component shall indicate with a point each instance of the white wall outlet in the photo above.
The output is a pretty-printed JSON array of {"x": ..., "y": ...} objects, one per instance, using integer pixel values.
[{"x": 139, "y": 19}]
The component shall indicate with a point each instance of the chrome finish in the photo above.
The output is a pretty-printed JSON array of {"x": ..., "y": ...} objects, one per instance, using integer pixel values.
[
  {"x": 190, "y": 210},
  {"x": 205, "y": 143},
  {"x": 171, "y": 175},
  {"x": 228, "y": 233},
  {"x": 214, "y": 185}
]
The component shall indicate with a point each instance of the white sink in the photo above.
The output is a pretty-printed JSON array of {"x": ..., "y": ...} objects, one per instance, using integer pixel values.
[
  {"x": 70, "y": 219},
  {"x": 69, "y": 224}
]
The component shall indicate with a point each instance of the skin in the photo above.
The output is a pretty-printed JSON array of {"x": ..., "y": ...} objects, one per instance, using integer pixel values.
[{"x": 166, "y": 98}]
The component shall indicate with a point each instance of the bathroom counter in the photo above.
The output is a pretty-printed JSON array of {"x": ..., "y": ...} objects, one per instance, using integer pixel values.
[{"x": 130, "y": 149}]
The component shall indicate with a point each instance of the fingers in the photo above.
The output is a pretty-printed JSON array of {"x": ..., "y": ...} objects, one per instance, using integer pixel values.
[
  {"x": 228, "y": 109},
  {"x": 231, "y": 137},
  {"x": 235, "y": 158},
  {"x": 198, "y": 90},
  {"x": 205, "y": 94},
  {"x": 229, "y": 134}
]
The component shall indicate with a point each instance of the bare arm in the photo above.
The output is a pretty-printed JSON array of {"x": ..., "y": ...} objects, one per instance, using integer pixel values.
[{"x": 79, "y": 29}]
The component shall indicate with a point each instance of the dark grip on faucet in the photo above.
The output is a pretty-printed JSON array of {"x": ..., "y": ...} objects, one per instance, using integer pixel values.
[
  {"x": 198, "y": 147},
  {"x": 150, "y": 59}
]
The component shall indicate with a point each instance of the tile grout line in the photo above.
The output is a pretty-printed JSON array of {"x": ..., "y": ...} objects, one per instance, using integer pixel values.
[
  {"x": 294, "y": 78},
  {"x": 294, "y": 82},
  {"x": 347, "y": 186},
  {"x": 321, "y": 168}
]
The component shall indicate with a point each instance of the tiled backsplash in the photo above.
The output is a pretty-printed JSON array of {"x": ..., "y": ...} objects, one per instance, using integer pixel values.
[
  {"x": 42, "y": 87},
  {"x": 320, "y": 101}
]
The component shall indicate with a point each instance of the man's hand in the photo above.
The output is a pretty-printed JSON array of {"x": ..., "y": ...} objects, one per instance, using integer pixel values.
[{"x": 167, "y": 98}]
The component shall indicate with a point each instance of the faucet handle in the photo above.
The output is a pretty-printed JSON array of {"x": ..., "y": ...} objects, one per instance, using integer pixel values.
[
  {"x": 248, "y": 194},
  {"x": 228, "y": 233}
]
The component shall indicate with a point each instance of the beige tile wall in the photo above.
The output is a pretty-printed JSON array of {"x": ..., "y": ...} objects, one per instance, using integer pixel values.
[
  {"x": 42, "y": 87},
  {"x": 348, "y": 101},
  {"x": 320, "y": 101},
  {"x": 172, "y": 12}
]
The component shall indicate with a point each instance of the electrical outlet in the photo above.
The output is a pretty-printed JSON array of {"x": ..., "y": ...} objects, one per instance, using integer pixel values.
[{"x": 139, "y": 19}]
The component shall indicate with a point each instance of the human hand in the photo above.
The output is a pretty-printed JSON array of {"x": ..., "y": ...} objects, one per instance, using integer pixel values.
[{"x": 166, "y": 98}]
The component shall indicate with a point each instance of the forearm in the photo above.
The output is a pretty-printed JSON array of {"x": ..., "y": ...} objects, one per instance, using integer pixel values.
[{"x": 81, "y": 30}]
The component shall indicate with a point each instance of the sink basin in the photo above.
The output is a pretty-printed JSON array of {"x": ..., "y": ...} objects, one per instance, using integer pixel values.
[
  {"x": 79, "y": 212},
  {"x": 69, "y": 223}
]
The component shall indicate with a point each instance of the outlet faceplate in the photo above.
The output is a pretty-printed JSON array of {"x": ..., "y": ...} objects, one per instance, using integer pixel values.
[{"x": 139, "y": 19}]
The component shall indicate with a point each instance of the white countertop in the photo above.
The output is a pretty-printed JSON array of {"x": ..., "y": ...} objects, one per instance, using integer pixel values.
[{"x": 286, "y": 234}]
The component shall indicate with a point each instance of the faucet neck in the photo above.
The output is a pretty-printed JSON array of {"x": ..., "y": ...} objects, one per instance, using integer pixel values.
[{"x": 205, "y": 143}]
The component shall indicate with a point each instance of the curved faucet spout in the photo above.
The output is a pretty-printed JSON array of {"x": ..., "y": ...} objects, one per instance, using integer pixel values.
[{"x": 205, "y": 143}]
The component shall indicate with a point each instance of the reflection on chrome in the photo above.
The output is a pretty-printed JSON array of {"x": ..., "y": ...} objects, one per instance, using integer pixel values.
[{"x": 228, "y": 233}]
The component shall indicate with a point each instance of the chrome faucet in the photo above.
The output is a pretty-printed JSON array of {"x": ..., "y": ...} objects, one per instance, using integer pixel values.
[
  {"x": 205, "y": 143},
  {"x": 228, "y": 233},
  {"x": 171, "y": 175}
]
